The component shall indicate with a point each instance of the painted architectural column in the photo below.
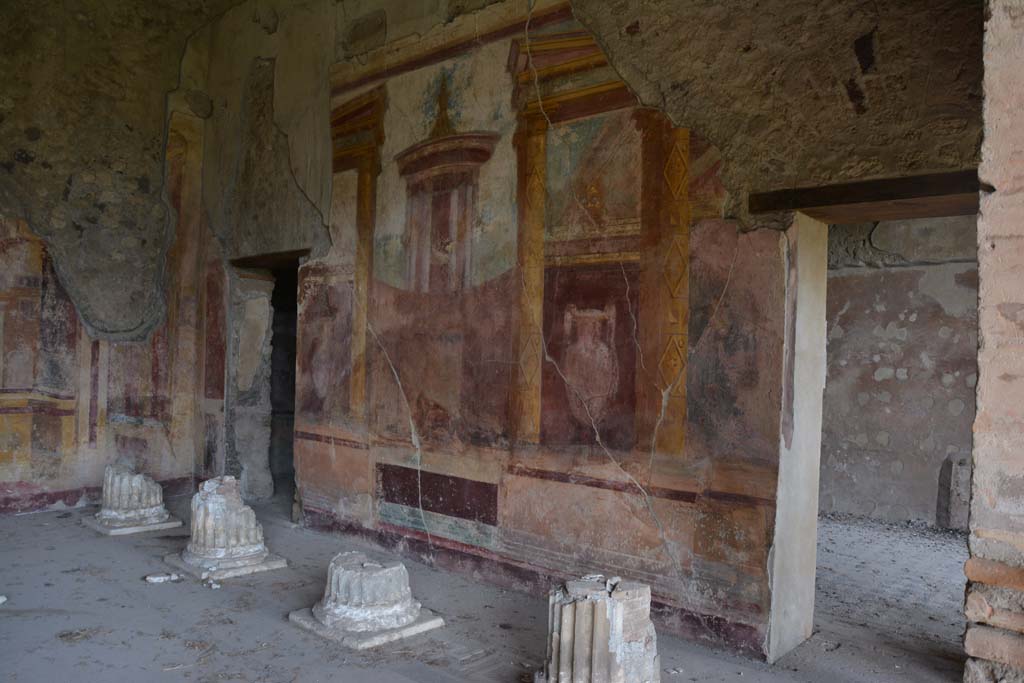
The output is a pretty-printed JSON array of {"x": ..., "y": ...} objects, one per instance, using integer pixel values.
[
  {"x": 185, "y": 260},
  {"x": 664, "y": 277},
  {"x": 531, "y": 143},
  {"x": 366, "y": 207}
]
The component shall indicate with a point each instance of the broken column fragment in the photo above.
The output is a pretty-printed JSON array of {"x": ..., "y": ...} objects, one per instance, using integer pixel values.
[
  {"x": 132, "y": 503},
  {"x": 600, "y": 630},
  {"x": 226, "y": 539},
  {"x": 366, "y": 604}
]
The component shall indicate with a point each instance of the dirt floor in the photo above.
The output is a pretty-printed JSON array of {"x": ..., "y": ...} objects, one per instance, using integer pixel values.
[{"x": 889, "y": 606}]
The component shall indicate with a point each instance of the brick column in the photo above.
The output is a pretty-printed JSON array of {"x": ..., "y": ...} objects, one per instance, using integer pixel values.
[{"x": 995, "y": 571}]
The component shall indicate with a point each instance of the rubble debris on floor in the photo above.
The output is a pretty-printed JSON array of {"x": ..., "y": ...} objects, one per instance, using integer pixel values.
[{"x": 163, "y": 577}]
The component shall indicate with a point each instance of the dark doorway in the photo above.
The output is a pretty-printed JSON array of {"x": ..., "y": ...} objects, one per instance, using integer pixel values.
[{"x": 282, "y": 380}]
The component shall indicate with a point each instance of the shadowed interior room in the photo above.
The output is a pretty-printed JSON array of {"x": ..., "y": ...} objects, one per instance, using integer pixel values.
[{"x": 512, "y": 340}]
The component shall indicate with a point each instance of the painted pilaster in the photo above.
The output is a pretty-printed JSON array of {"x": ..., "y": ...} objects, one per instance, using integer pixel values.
[
  {"x": 664, "y": 276},
  {"x": 531, "y": 142}
]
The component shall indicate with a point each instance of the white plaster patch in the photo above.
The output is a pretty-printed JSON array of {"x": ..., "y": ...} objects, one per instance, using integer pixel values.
[
  {"x": 882, "y": 374},
  {"x": 939, "y": 283},
  {"x": 891, "y": 331}
]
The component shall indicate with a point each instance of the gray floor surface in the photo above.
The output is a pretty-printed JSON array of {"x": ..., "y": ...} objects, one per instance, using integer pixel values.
[{"x": 888, "y": 609}]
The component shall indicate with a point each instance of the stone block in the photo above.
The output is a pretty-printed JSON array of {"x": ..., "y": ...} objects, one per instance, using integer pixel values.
[
  {"x": 994, "y": 644},
  {"x": 999, "y": 607},
  {"x": 994, "y": 573},
  {"x": 981, "y": 671}
]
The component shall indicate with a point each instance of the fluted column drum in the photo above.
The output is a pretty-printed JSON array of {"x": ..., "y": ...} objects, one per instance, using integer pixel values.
[
  {"x": 600, "y": 630},
  {"x": 130, "y": 499},
  {"x": 362, "y": 595},
  {"x": 225, "y": 532}
]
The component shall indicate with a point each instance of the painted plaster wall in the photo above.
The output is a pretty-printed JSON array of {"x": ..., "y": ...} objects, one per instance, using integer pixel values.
[
  {"x": 902, "y": 370},
  {"x": 431, "y": 460},
  {"x": 64, "y": 155},
  {"x": 995, "y": 571},
  {"x": 260, "y": 78},
  {"x": 69, "y": 403}
]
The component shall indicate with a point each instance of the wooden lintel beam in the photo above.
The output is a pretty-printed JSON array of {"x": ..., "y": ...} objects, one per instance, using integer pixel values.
[
  {"x": 280, "y": 259},
  {"x": 923, "y": 196}
]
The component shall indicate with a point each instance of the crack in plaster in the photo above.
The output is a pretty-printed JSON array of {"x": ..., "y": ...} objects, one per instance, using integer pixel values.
[
  {"x": 666, "y": 544},
  {"x": 414, "y": 435}
]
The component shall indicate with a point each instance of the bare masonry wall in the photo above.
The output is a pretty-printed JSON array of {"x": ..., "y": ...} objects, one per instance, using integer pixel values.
[
  {"x": 995, "y": 571},
  {"x": 899, "y": 397}
]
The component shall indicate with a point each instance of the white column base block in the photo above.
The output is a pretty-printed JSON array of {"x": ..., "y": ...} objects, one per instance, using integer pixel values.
[
  {"x": 362, "y": 640},
  {"x": 124, "y": 529}
]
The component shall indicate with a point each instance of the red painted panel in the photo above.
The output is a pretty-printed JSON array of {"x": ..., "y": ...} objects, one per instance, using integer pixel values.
[{"x": 440, "y": 493}]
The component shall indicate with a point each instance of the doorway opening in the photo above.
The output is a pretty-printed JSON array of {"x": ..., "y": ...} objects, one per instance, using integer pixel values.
[
  {"x": 893, "y": 323},
  {"x": 897, "y": 422},
  {"x": 261, "y": 411},
  {"x": 284, "y": 301}
]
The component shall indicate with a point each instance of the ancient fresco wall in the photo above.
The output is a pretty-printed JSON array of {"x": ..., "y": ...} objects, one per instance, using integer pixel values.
[
  {"x": 71, "y": 404},
  {"x": 509, "y": 301}
]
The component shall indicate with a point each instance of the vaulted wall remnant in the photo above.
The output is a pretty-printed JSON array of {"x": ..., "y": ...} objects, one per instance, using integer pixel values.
[{"x": 806, "y": 93}]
